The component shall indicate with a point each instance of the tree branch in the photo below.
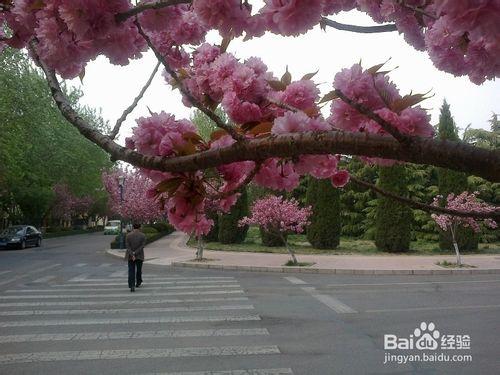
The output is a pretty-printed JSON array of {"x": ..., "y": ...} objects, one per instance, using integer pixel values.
[
  {"x": 211, "y": 114},
  {"x": 242, "y": 184},
  {"x": 357, "y": 29},
  {"x": 129, "y": 109},
  {"x": 426, "y": 207},
  {"x": 387, "y": 126},
  {"x": 120, "y": 17},
  {"x": 452, "y": 155}
]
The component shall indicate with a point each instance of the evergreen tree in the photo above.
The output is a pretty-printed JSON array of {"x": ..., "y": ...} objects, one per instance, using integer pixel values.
[
  {"x": 325, "y": 227},
  {"x": 229, "y": 231},
  {"x": 393, "y": 219},
  {"x": 213, "y": 235},
  {"x": 452, "y": 182}
]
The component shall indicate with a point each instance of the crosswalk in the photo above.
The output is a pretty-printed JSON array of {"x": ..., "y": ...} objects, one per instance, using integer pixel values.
[{"x": 172, "y": 325}]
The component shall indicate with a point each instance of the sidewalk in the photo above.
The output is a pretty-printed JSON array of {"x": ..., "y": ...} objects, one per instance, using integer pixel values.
[{"x": 172, "y": 250}]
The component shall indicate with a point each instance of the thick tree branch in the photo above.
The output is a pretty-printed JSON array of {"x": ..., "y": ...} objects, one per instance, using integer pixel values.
[
  {"x": 129, "y": 109},
  {"x": 387, "y": 126},
  {"x": 195, "y": 102},
  {"x": 426, "y": 207},
  {"x": 120, "y": 17},
  {"x": 357, "y": 29},
  {"x": 452, "y": 155}
]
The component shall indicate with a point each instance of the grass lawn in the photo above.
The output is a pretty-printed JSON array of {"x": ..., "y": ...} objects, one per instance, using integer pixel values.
[{"x": 347, "y": 246}]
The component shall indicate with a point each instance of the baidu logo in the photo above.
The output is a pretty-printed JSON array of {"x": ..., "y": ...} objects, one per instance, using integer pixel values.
[{"x": 424, "y": 337}]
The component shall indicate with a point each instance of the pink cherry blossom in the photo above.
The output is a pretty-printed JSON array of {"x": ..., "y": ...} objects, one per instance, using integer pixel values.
[
  {"x": 292, "y": 17},
  {"x": 340, "y": 178}
]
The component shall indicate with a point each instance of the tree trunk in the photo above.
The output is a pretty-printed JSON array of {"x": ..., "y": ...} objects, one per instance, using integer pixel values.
[
  {"x": 199, "y": 251},
  {"x": 455, "y": 246},
  {"x": 290, "y": 250}
]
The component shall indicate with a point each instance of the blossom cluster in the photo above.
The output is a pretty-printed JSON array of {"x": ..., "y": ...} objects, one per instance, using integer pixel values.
[
  {"x": 463, "y": 202},
  {"x": 136, "y": 205},
  {"x": 279, "y": 215},
  {"x": 66, "y": 205},
  {"x": 461, "y": 37}
]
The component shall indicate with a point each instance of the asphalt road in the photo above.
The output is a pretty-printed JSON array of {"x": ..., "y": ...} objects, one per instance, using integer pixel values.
[{"x": 65, "y": 309}]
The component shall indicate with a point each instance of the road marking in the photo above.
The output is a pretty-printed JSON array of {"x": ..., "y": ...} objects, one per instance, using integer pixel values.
[
  {"x": 146, "y": 281},
  {"x": 44, "y": 279},
  {"x": 166, "y": 278},
  {"x": 435, "y": 308},
  {"x": 134, "y": 335},
  {"x": 104, "y": 265},
  {"x": 154, "y": 320},
  {"x": 4, "y": 272},
  {"x": 80, "y": 264},
  {"x": 112, "y": 295},
  {"x": 93, "y": 355},
  {"x": 121, "y": 302},
  {"x": 119, "y": 274},
  {"x": 418, "y": 283},
  {"x": 255, "y": 371},
  {"x": 177, "y": 287},
  {"x": 29, "y": 273},
  {"x": 332, "y": 302},
  {"x": 125, "y": 311},
  {"x": 295, "y": 280},
  {"x": 80, "y": 277}
]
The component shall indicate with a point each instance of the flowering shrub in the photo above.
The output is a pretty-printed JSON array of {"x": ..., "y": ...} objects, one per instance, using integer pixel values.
[
  {"x": 280, "y": 216},
  {"x": 66, "y": 205},
  {"x": 462, "y": 202}
]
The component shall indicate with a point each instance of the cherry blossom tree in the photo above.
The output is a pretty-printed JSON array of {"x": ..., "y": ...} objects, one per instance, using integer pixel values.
[
  {"x": 137, "y": 204},
  {"x": 280, "y": 217},
  {"x": 276, "y": 131},
  {"x": 66, "y": 205},
  {"x": 463, "y": 202}
]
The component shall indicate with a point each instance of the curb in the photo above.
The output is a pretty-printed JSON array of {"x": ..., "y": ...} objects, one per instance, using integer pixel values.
[{"x": 335, "y": 271}]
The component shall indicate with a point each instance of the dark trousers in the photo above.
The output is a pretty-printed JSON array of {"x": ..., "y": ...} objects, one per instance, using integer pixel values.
[{"x": 134, "y": 273}]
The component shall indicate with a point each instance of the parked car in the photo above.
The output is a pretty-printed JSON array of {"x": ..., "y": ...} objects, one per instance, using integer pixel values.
[
  {"x": 20, "y": 236},
  {"x": 112, "y": 227}
]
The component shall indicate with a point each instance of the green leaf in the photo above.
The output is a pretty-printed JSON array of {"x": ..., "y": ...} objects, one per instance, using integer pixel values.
[{"x": 309, "y": 75}]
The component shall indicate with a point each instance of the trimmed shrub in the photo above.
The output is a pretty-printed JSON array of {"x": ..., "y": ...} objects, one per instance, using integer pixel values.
[
  {"x": 229, "y": 231},
  {"x": 324, "y": 230},
  {"x": 271, "y": 239},
  {"x": 163, "y": 227},
  {"x": 393, "y": 219}
]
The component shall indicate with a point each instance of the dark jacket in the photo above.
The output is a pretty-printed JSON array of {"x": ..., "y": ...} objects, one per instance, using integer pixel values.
[{"x": 135, "y": 245}]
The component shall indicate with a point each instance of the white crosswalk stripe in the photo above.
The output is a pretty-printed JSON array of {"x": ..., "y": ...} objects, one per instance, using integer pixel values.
[
  {"x": 176, "y": 287},
  {"x": 119, "y": 274},
  {"x": 44, "y": 279},
  {"x": 122, "y": 302},
  {"x": 117, "y": 295},
  {"x": 146, "y": 281},
  {"x": 120, "y": 335},
  {"x": 23, "y": 275},
  {"x": 85, "y": 278},
  {"x": 163, "y": 319},
  {"x": 129, "y": 311},
  {"x": 80, "y": 277},
  {"x": 80, "y": 264},
  {"x": 4, "y": 272},
  {"x": 137, "y": 353}
]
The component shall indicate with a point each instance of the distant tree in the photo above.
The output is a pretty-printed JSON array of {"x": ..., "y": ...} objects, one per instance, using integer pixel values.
[
  {"x": 325, "y": 227},
  {"x": 229, "y": 229},
  {"x": 393, "y": 219}
]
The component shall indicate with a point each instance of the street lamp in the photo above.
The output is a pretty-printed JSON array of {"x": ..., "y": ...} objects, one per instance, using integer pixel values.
[{"x": 121, "y": 183}]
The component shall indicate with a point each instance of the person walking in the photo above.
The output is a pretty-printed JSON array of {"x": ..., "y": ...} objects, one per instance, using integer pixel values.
[{"x": 135, "y": 256}]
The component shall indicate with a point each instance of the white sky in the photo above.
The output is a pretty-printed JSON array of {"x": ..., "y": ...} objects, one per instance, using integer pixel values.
[{"x": 113, "y": 88}]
